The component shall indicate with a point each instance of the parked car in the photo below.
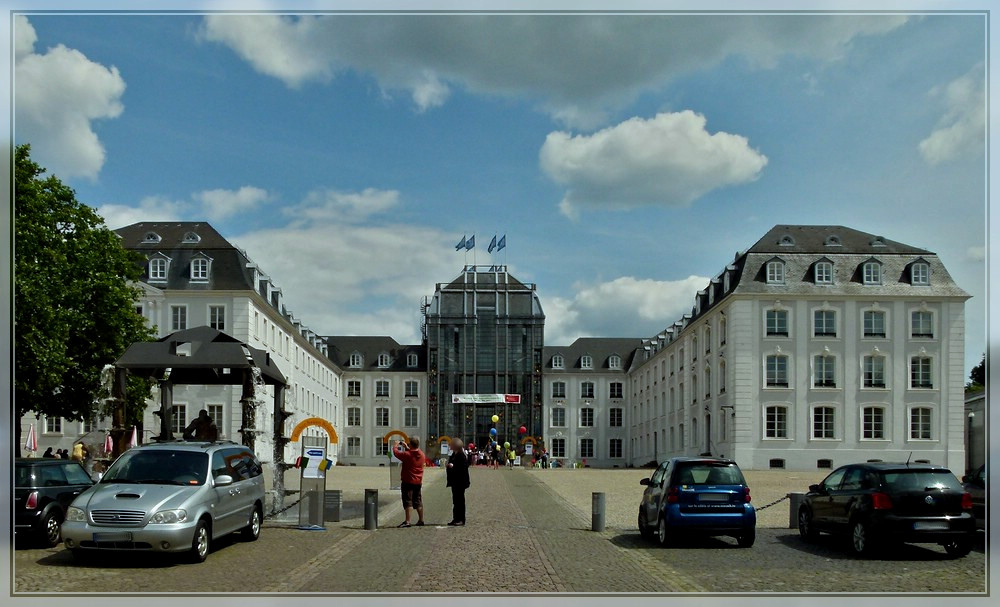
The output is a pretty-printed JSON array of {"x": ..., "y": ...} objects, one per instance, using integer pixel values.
[
  {"x": 697, "y": 496},
  {"x": 169, "y": 497},
  {"x": 43, "y": 490},
  {"x": 975, "y": 484},
  {"x": 878, "y": 503}
]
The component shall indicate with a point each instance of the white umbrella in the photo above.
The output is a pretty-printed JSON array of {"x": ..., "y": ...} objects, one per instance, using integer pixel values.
[
  {"x": 134, "y": 440},
  {"x": 109, "y": 445},
  {"x": 31, "y": 442}
]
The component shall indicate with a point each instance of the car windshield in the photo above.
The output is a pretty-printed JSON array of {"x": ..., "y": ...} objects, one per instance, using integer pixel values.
[
  {"x": 920, "y": 480},
  {"x": 159, "y": 467},
  {"x": 708, "y": 473}
]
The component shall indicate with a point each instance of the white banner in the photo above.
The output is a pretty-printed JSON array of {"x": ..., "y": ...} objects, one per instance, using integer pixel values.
[{"x": 486, "y": 398}]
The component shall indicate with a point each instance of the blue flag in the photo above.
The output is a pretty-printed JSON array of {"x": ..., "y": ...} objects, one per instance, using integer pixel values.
[
  {"x": 493, "y": 244},
  {"x": 502, "y": 243},
  {"x": 461, "y": 244},
  {"x": 470, "y": 243}
]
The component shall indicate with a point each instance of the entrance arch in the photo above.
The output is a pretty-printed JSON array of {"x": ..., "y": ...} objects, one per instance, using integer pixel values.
[{"x": 314, "y": 421}]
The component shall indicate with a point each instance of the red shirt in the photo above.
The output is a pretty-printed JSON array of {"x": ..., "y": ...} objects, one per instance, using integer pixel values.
[{"x": 413, "y": 465}]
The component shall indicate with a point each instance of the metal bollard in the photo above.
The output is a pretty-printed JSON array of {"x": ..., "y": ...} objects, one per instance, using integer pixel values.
[
  {"x": 794, "y": 502},
  {"x": 371, "y": 509},
  {"x": 597, "y": 512}
]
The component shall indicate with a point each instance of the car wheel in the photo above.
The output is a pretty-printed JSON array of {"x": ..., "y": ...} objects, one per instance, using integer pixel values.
[
  {"x": 49, "y": 529},
  {"x": 958, "y": 548},
  {"x": 200, "y": 543},
  {"x": 252, "y": 531},
  {"x": 661, "y": 532},
  {"x": 806, "y": 528},
  {"x": 861, "y": 540},
  {"x": 747, "y": 538}
]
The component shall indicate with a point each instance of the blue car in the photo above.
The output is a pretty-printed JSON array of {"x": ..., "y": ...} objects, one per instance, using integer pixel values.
[{"x": 688, "y": 496}]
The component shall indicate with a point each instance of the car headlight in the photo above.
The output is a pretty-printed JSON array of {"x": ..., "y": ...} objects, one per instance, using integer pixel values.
[
  {"x": 76, "y": 514},
  {"x": 169, "y": 516}
]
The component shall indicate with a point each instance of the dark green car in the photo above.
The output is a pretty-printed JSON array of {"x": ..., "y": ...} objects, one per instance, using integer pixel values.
[{"x": 43, "y": 490}]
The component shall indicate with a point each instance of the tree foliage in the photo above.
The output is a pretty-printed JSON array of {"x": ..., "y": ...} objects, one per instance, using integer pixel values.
[
  {"x": 74, "y": 300},
  {"x": 977, "y": 377}
]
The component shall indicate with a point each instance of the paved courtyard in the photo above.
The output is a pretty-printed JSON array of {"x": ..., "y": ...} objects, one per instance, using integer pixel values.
[{"x": 528, "y": 531}]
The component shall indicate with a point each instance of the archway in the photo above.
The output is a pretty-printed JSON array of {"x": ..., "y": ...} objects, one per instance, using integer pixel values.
[{"x": 314, "y": 421}]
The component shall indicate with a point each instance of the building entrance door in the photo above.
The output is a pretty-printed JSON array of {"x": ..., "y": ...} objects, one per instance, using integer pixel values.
[{"x": 484, "y": 421}]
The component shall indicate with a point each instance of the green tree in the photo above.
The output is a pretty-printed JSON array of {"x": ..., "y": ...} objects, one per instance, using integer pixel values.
[
  {"x": 74, "y": 301},
  {"x": 977, "y": 377}
]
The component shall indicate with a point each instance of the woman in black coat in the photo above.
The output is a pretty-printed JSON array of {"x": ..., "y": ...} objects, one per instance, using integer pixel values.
[{"x": 458, "y": 480}]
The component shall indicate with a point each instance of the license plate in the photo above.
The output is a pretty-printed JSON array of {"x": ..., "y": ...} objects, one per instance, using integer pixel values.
[
  {"x": 713, "y": 497},
  {"x": 930, "y": 525},
  {"x": 124, "y": 536}
]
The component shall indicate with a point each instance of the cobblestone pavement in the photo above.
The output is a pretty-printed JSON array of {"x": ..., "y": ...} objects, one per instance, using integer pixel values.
[{"x": 526, "y": 532}]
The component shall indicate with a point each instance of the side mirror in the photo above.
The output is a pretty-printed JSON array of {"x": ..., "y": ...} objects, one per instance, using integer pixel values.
[
  {"x": 222, "y": 480},
  {"x": 816, "y": 489},
  {"x": 965, "y": 478},
  {"x": 644, "y": 481}
]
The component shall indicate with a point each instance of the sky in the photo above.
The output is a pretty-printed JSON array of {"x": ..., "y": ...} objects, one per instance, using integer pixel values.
[{"x": 627, "y": 158}]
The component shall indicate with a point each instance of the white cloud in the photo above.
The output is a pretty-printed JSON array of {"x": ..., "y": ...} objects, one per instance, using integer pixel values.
[
  {"x": 962, "y": 129},
  {"x": 220, "y": 203},
  {"x": 151, "y": 208},
  {"x": 667, "y": 160},
  {"x": 975, "y": 253},
  {"x": 335, "y": 205},
  {"x": 577, "y": 67},
  {"x": 623, "y": 307},
  {"x": 57, "y": 95}
]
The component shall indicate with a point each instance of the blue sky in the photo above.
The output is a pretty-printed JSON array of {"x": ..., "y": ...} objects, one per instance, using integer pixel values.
[{"x": 627, "y": 158}]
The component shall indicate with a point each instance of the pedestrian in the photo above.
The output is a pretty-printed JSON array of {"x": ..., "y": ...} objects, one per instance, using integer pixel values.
[
  {"x": 411, "y": 477},
  {"x": 458, "y": 480},
  {"x": 48, "y": 453},
  {"x": 202, "y": 428},
  {"x": 77, "y": 452},
  {"x": 510, "y": 458},
  {"x": 545, "y": 458}
]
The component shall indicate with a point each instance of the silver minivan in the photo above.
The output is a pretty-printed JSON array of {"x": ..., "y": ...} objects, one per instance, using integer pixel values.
[{"x": 169, "y": 497}]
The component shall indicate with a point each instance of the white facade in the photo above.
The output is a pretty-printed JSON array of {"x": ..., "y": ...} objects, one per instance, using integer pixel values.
[{"x": 376, "y": 404}]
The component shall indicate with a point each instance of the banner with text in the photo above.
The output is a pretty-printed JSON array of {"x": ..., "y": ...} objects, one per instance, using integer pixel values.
[{"x": 486, "y": 398}]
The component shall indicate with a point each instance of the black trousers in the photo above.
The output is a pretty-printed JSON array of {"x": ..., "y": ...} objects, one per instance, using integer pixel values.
[{"x": 458, "y": 504}]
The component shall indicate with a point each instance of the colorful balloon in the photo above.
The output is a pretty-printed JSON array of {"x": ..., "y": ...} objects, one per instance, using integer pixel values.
[
  {"x": 506, "y": 445},
  {"x": 498, "y": 447},
  {"x": 496, "y": 418},
  {"x": 523, "y": 429}
]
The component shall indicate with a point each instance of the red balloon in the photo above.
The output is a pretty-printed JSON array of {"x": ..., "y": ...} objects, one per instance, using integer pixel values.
[{"x": 523, "y": 429}]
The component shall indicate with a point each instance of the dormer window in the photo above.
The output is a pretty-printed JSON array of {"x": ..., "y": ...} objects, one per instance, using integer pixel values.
[
  {"x": 871, "y": 272},
  {"x": 878, "y": 241},
  {"x": 150, "y": 238},
  {"x": 558, "y": 362},
  {"x": 832, "y": 241},
  {"x": 383, "y": 360},
  {"x": 725, "y": 282},
  {"x": 586, "y": 362},
  {"x": 823, "y": 273},
  {"x": 615, "y": 362},
  {"x": 200, "y": 268},
  {"x": 158, "y": 266},
  {"x": 355, "y": 361},
  {"x": 776, "y": 272},
  {"x": 787, "y": 241},
  {"x": 191, "y": 238},
  {"x": 920, "y": 273},
  {"x": 411, "y": 360}
]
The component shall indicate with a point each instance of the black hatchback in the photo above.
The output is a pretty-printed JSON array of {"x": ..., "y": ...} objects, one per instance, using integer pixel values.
[
  {"x": 43, "y": 489},
  {"x": 877, "y": 504}
]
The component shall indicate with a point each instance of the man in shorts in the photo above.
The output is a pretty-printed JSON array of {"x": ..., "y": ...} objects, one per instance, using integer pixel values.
[{"x": 411, "y": 477}]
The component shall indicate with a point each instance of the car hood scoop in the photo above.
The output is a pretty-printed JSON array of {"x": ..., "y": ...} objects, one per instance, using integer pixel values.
[{"x": 128, "y": 495}]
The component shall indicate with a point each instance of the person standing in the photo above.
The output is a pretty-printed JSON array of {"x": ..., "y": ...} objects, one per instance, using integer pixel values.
[
  {"x": 411, "y": 477},
  {"x": 48, "y": 453},
  {"x": 458, "y": 480}
]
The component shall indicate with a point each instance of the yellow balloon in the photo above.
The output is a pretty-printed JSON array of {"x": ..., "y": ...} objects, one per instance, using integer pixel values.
[
  {"x": 496, "y": 418},
  {"x": 498, "y": 447}
]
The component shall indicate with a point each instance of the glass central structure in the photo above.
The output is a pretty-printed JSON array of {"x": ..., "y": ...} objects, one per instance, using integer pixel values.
[{"x": 484, "y": 334}]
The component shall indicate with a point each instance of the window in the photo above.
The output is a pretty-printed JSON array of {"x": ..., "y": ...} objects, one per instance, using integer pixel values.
[
  {"x": 615, "y": 389},
  {"x": 558, "y": 447},
  {"x": 53, "y": 425},
  {"x": 558, "y": 389},
  {"x": 615, "y": 420},
  {"x": 825, "y": 323},
  {"x": 382, "y": 416},
  {"x": 178, "y": 318},
  {"x": 411, "y": 417},
  {"x": 217, "y": 317},
  {"x": 89, "y": 425},
  {"x": 823, "y": 422},
  {"x": 777, "y": 323},
  {"x": 615, "y": 362},
  {"x": 381, "y": 446},
  {"x": 776, "y": 422},
  {"x": 587, "y": 389},
  {"x": 920, "y": 324},
  {"x": 586, "y": 447},
  {"x": 558, "y": 362},
  {"x": 355, "y": 361},
  {"x": 199, "y": 269},
  {"x": 151, "y": 237},
  {"x": 383, "y": 361},
  {"x": 587, "y": 417},
  {"x": 722, "y": 377},
  {"x": 874, "y": 371},
  {"x": 874, "y": 323},
  {"x": 823, "y": 273},
  {"x": 178, "y": 418},
  {"x": 722, "y": 332},
  {"x": 708, "y": 384},
  {"x": 680, "y": 435},
  {"x": 382, "y": 388},
  {"x": 694, "y": 348},
  {"x": 559, "y": 417},
  {"x": 157, "y": 269},
  {"x": 694, "y": 388},
  {"x": 586, "y": 362},
  {"x": 615, "y": 448},
  {"x": 777, "y": 371},
  {"x": 411, "y": 360},
  {"x": 354, "y": 388},
  {"x": 708, "y": 340},
  {"x": 775, "y": 272},
  {"x": 920, "y": 372},
  {"x": 920, "y": 274},
  {"x": 411, "y": 388},
  {"x": 920, "y": 423},
  {"x": 354, "y": 416},
  {"x": 871, "y": 273},
  {"x": 824, "y": 369},
  {"x": 354, "y": 446},
  {"x": 215, "y": 412},
  {"x": 680, "y": 359},
  {"x": 873, "y": 423}
]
